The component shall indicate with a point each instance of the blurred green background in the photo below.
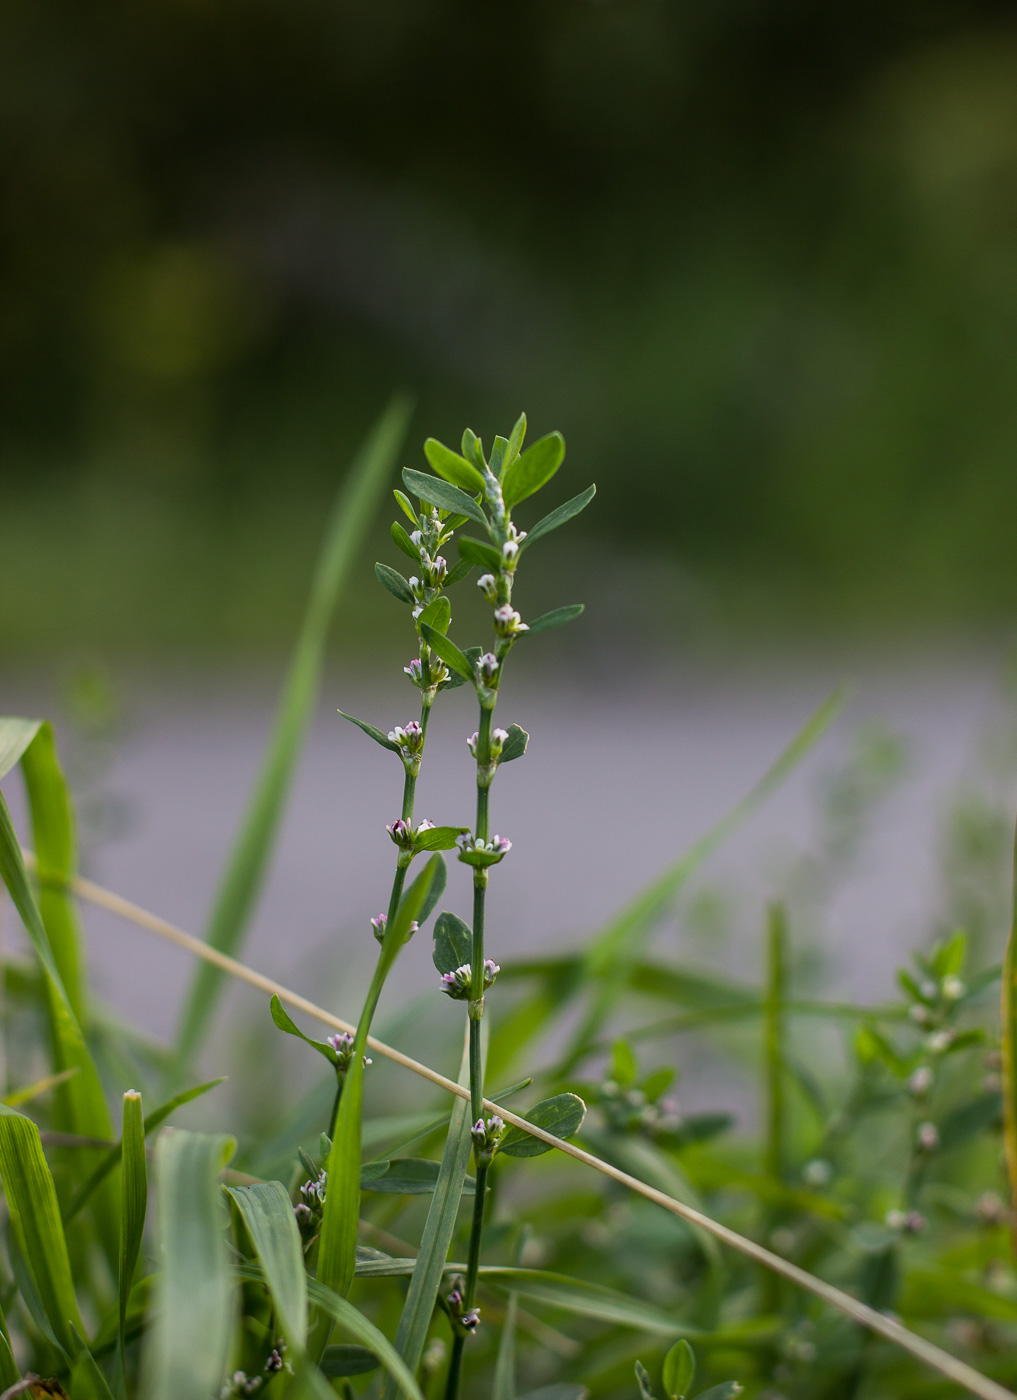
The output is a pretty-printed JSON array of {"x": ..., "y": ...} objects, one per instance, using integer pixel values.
[{"x": 755, "y": 258}]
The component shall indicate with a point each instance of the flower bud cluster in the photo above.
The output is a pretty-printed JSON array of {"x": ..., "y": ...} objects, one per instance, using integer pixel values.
[
  {"x": 380, "y": 922},
  {"x": 240, "y": 1384},
  {"x": 404, "y": 833},
  {"x": 631, "y": 1111},
  {"x": 410, "y": 742},
  {"x": 499, "y": 738},
  {"x": 437, "y": 673},
  {"x": 507, "y": 622},
  {"x": 905, "y": 1222},
  {"x": 312, "y": 1201},
  {"x": 486, "y": 1137},
  {"x": 459, "y": 984},
  {"x": 464, "y": 1320},
  {"x": 474, "y": 850},
  {"x": 342, "y": 1044}
]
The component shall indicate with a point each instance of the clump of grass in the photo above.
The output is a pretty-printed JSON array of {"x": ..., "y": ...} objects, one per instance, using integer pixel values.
[{"x": 603, "y": 1243}]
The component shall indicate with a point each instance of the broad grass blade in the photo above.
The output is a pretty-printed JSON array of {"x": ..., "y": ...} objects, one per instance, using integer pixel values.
[
  {"x": 245, "y": 872},
  {"x": 9, "y": 1373},
  {"x": 87, "y": 1381},
  {"x": 618, "y": 947},
  {"x": 586, "y": 1299},
  {"x": 188, "y": 1343},
  {"x": 15, "y": 737},
  {"x": 337, "y": 1250},
  {"x": 35, "y": 1224},
  {"x": 133, "y": 1200},
  {"x": 1008, "y": 1012},
  {"x": 268, "y": 1214},
  {"x": 438, "y": 1229},
  {"x": 357, "y": 1325}
]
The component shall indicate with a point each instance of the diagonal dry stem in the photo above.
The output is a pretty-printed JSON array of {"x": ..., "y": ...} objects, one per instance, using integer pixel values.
[{"x": 884, "y": 1326}]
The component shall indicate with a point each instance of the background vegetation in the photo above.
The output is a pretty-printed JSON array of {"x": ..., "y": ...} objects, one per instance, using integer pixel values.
[{"x": 757, "y": 257}]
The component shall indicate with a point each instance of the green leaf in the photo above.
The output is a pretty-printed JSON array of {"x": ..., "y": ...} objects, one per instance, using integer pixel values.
[
  {"x": 406, "y": 505},
  {"x": 438, "y": 838},
  {"x": 557, "y": 517},
  {"x": 448, "y": 651},
  {"x": 561, "y": 1115},
  {"x": 452, "y": 467},
  {"x": 393, "y": 580},
  {"x": 354, "y": 1322},
  {"x": 533, "y": 469},
  {"x": 410, "y": 1176},
  {"x": 679, "y": 1370},
  {"x": 437, "y": 614},
  {"x": 435, "y": 890},
  {"x": 515, "y": 442},
  {"x": 268, "y": 1214},
  {"x": 241, "y": 883},
  {"x": 453, "y": 943},
  {"x": 87, "y": 1381},
  {"x": 623, "y": 1064},
  {"x": 402, "y": 541},
  {"x": 499, "y": 455},
  {"x": 283, "y": 1020},
  {"x": 948, "y": 958},
  {"x": 1008, "y": 1044},
  {"x": 515, "y": 745},
  {"x": 458, "y": 571},
  {"x": 15, "y": 737},
  {"x": 562, "y": 1390},
  {"x": 455, "y": 680},
  {"x": 473, "y": 448},
  {"x": 584, "y": 1299},
  {"x": 187, "y": 1346},
  {"x": 371, "y": 732},
  {"x": 727, "y": 1390},
  {"x": 338, "y": 1243},
  {"x": 477, "y": 552},
  {"x": 429, "y": 1265},
  {"x": 9, "y": 1373},
  {"x": 35, "y": 1225},
  {"x": 344, "y": 1359},
  {"x": 133, "y": 1201},
  {"x": 643, "y": 1381},
  {"x": 443, "y": 495},
  {"x": 557, "y": 617}
]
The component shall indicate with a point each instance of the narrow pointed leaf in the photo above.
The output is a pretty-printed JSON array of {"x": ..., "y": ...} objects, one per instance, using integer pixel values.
[
  {"x": 15, "y": 736},
  {"x": 346, "y": 1359},
  {"x": 435, "y": 890},
  {"x": 557, "y": 617},
  {"x": 585, "y": 1299},
  {"x": 515, "y": 442},
  {"x": 458, "y": 572},
  {"x": 188, "y": 1344},
  {"x": 443, "y": 495},
  {"x": 499, "y": 456},
  {"x": 476, "y": 552},
  {"x": 393, "y": 580},
  {"x": 533, "y": 469},
  {"x": 282, "y": 1019},
  {"x": 727, "y": 1390},
  {"x": 411, "y": 1176},
  {"x": 560, "y": 516},
  {"x": 133, "y": 1200},
  {"x": 471, "y": 655},
  {"x": 503, "y": 1386},
  {"x": 452, "y": 467},
  {"x": 561, "y": 1115},
  {"x": 473, "y": 448},
  {"x": 372, "y": 732},
  {"x": 357, "y": 1325},
  {"x": 237, "y": 895},
  {"x": 448, "y": 651},
  {"x": 35, "y": 1224},
  {"x": 406, "y": 505},
  {"x": 402, "y": 541},
  {"x": 268, "y": 1214}
]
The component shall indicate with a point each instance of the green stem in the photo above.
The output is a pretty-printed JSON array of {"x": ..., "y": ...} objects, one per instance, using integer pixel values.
[{"x": 455, "y": 1367}]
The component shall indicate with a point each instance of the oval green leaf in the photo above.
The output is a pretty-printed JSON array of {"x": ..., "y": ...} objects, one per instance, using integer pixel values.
[
  {"x": 452, "y": 467},
  {"x": 561, "y": 1115},
  {"x": 533, "y": 469}
]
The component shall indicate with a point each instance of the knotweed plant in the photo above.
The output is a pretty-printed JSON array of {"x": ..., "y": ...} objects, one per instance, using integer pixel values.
[{"x": 859, "y": 1246}]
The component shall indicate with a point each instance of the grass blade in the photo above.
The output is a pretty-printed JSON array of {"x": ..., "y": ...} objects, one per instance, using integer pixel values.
[
  {"x": 337, "y": 1251},
  {"x": 188, "y": 1343},
  {"x": 503, "y": 1387},
  {"x": 15, "y": 737},
  {"x": 268, "y": 1214},
  {"x": 35, "y": 1224},
  {"x": 357, "y": 1325},
  {"x": 245, "y": 872},
  {"x": 429, "y": 1266},
  {"x": 133, "y": 1201}
]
